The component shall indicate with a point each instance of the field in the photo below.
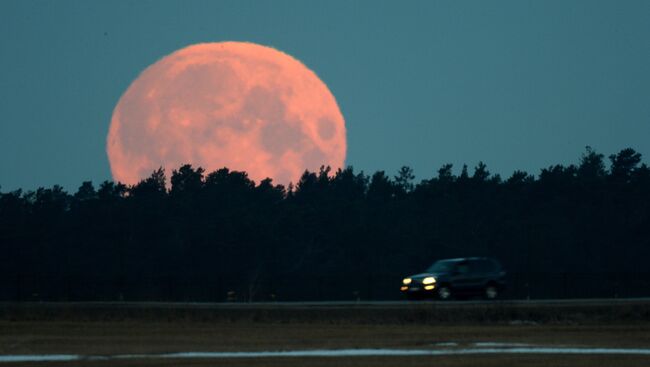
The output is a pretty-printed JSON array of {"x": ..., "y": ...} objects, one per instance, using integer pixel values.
[{"x": 105, "y": 330}]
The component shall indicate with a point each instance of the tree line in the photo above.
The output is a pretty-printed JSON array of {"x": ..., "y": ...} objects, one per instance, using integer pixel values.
[{"x": 217, "y": 236}]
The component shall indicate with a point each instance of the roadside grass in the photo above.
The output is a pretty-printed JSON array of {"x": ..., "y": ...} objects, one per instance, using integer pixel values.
[{"x": 109, "y": 338}]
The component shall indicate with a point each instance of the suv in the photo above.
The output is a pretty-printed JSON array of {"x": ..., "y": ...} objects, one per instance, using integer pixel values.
[{"x": 451, "y": 277}]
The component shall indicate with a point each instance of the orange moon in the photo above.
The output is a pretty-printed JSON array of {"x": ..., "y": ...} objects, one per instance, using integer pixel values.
[{"x": 229, "y": 104}]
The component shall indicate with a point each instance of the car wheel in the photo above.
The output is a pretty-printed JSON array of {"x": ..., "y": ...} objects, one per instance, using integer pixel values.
[
  {"x": 444, "y": 293},
  {"x": 491, "y": 291}
]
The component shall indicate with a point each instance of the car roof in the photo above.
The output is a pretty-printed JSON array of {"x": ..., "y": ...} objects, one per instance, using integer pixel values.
[{"x": 457, "y": 259}]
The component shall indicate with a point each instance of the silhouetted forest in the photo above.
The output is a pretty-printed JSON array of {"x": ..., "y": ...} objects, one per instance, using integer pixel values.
[{"x": 570, "y": 231}]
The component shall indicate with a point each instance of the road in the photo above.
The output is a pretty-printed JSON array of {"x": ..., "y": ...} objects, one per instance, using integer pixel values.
[{"x": 332, "y": 304}]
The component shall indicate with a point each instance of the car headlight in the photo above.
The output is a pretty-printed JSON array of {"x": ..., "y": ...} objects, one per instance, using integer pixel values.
[
  {"x": 406, "y": 281},
  {"x": 429, "y": 280}
]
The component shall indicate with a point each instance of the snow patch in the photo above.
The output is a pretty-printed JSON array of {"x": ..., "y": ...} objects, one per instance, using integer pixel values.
[
  {"x": 39, "y": 358},
  {"x": 499, "y": 345},
  {"x": 332, "y": 353},
  {"x": 446, "y": 344}
]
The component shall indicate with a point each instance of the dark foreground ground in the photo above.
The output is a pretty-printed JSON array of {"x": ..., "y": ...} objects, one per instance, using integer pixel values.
[{"x": 111, "y": 329}]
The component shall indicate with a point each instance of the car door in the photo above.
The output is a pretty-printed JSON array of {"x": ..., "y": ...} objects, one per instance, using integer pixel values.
[
  {"x": 461, "y": 277},
  {"x": 478, "y": 271}
]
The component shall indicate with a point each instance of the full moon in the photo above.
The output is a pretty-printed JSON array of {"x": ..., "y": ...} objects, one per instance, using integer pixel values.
[{"x": 239, "y": 105}]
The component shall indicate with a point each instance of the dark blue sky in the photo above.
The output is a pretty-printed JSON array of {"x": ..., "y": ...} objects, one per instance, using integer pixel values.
[{"x": 517, "y": 84}]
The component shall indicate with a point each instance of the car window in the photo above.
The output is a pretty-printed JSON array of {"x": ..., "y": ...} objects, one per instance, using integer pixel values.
[
  {"x": 462, "y": 268},
  {"x": 476, "y": 266},
  {"x": 443, "y": 266},
  {"x": 482, "y": 266}
]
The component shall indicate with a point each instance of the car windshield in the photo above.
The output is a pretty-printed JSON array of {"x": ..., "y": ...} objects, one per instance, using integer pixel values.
[{"x": 443, "y": 266}]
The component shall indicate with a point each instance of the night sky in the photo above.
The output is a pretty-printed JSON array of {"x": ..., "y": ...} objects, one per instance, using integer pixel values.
[{"x": 516, "y": 84}]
